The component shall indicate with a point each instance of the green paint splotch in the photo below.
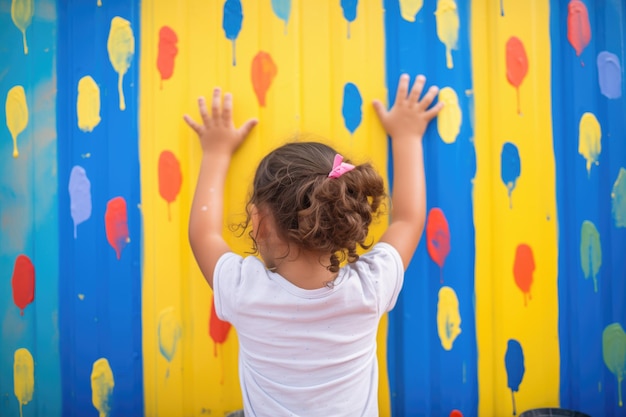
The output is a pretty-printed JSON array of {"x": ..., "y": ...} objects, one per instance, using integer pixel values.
[
  {"x": 614, "y": 353},
  {"x": 618, "y": 199},
  {"x": 590, "y": 252}
]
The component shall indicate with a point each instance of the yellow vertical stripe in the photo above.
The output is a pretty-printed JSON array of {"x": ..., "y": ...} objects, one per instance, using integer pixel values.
[
  {"x": 314, "y": 59},
  {"x": 528, "y": 218}
]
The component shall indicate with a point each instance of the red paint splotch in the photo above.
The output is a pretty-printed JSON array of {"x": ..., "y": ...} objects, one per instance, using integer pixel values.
[
  {"x": 516, "y": 65},
  {"x": 578, "y": 27},
  {"x": 456, "y": 413},
  {"x": 170, "y": 178},
  {"x": 167, "y": 52},
  {"x": 523, "y": 269},
  {"x": 437, "y": 237},
  {"x": 116, "y": 224},
  {"x": 218, "y": 329},
  {"x": 263, "y": 72},
  {"x": 23, "y": 282}
]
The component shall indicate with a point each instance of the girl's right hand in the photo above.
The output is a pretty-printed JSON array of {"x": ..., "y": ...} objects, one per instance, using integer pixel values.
[{"x": 409, "y": 116}]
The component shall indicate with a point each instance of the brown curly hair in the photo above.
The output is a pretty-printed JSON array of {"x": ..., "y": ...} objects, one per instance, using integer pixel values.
[{"x": 311, "y": 210}]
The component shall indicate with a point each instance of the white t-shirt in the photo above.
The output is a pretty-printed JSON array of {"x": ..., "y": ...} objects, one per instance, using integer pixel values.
[{"x": 308, "y": 352}]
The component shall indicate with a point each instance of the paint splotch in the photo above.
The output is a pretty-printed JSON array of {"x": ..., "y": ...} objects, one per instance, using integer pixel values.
[
  {"x": 589, "y": 139},
  {"x": 282, "y": 9},
  {"x": 218, "y": 329},
  {"x": 450, "y": 117},
  {"x": 88, "y": 104},
  {"x": 22, "y": 12},
  {"x": 614, "y": 354},
  {"x": 448, "y": 317},
  {"x": 231, "y": 22},
  {"x": 590, "y": 252},
  {"x": 510, "y": 168},
  {"x": 263, "y": 71},
  {"x": 578, "y": 27},
  {"x": 168, "y": 50},
  {"x": 169, "y": 333},
  {"x": 16, "y": 111},
  {"x": 447, "y": 18},
  {"x": 609, "y": 75},
  {"x": 102, "y": 384},
  {"x": 116, "y": 225},
  {"x": 516, "y": 65},
  {"x": 438, "y": 237},
  {"x": 23, "y": 282},
  {"x": 170, "y": 178},
  {"x": 523, "y": 270},
  {"x": 618, "y": 199},
  {"x": 80, "y": 196},
  {"x": 121, "y": 48},
  {"x": 349, "y": 8},
  {"x": 351, "y": 109},
  {"x": 410, "y": 8},
  {"x": 23, "y": 377},
  {"x": 515, "y": 369}
]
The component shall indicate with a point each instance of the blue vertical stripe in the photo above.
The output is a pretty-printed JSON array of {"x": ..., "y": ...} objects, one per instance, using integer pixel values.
[{"x": 99, "y": 295}]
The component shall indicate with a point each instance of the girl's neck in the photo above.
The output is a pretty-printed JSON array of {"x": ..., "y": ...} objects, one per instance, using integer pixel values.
[{"x": 306, "y": 270}]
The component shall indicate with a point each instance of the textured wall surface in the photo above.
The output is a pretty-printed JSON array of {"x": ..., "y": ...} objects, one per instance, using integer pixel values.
[{"x": 515, "y": 297}]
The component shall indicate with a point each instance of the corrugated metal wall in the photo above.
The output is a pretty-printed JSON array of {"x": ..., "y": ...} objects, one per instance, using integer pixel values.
[{"x": 515, "y": 298}]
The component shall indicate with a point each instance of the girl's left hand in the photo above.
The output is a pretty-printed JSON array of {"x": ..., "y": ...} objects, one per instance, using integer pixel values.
[{"x": 217, "y": 133}]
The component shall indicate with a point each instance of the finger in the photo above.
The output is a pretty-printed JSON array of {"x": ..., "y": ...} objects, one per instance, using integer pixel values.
[
  {"x": 215, "y": 104},
  {"x": 204, "y": 113},
  {"x": 429, "y": 97},
  {"x": 418, "y": 87},
  {"x": 227, "y": 108},
  {"x": 380, "y": 110},
  {"x": 403, "y": 88},
  {"x": 433, "y": 111},
  {"x": 192, "y": 124},
  {"x": 247, "y": 127}
]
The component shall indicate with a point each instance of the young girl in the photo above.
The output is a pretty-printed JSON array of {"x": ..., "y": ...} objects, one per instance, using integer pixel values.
[{"x": 306, "y": 324}]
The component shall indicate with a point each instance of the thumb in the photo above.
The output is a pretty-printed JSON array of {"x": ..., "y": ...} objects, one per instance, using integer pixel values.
[
  {"x": 379, "y": 109},
  {"x": 247, "y": 127}
]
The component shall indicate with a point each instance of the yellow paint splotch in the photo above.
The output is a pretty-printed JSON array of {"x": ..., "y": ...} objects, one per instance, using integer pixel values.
[
  {"x": 589, "y": 139},
  {"x": 450, "y": 117},
  {"x": 88, "y": 104},
  {"x": 23, "y": 376},
  {"x": 102, "y": 384},
  {"x": 447, "y": 18},
  {"x": 16, "y": 114},
  {"x": 448, "y": 317},
  {"x": 22, "y": 12},
  {"x": 121, "y": 47},
  {"x": 410, "y": 8}
]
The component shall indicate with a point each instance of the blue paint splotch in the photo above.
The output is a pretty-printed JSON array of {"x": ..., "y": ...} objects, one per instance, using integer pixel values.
[
  {"x": 352, "y": 107},
  {"x": 609, "y": 75},
  {"x": 232, "y": 21},
  {"x": 282, "y": 9},
  {"x": 349, "y": 11},
  {"x": 510, "y": 167},
  {"x": 514, "y": 363}
]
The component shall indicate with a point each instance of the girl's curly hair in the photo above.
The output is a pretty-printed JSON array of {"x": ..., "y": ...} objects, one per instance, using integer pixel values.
[{"x": 311, "y": 210}]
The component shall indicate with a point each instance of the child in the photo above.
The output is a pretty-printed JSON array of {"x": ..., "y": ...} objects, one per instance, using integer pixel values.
[{"x": 306, "y": 325}]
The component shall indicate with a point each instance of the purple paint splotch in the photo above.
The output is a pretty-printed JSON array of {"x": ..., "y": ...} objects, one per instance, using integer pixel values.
[
  {"x": 80, "y": 196},
  {"x": 609, "y": 75}
]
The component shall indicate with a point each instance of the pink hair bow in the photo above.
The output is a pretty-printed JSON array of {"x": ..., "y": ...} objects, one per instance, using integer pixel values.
[{"x": 340, "y": 167}]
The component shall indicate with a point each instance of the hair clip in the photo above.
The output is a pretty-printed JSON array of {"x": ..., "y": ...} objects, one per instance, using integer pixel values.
[{"x": 339, "y": 167}]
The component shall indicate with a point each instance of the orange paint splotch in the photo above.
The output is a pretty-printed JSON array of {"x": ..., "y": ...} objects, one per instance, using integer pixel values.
[
  {"x": 578, "y": 27},
  {"x": 218, "y": 329},
  {"x": 438, "y": 237},
  {"x": 167, "y": 52},
  {"x": 263, "y": 72},
  {"x": 516, "y": 65},
  {"x": 523, "y": 269},
  {"x": 170, "y": 178}
]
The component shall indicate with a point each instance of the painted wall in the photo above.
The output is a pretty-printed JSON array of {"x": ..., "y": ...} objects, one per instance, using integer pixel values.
[{"x": 515, "y": 297}]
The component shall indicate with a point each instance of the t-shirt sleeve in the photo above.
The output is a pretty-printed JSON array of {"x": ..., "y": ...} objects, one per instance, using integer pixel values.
[
  {"x": 384, "y": 266},
  {"x": 226, "y": 284}
]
